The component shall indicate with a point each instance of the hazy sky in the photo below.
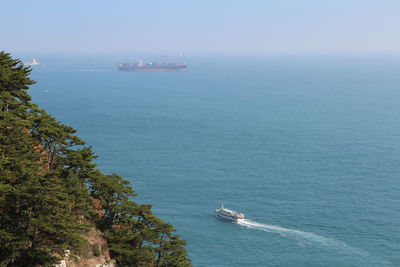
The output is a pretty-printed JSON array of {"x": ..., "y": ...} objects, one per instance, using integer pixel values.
[{"x": 200, "y": 26}]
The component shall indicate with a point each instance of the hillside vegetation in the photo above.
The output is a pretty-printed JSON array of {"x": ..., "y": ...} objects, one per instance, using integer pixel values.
[{"x": 52, "y": 195}]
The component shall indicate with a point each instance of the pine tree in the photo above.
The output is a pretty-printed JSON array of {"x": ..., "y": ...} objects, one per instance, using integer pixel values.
[
  {"x": 48, "y": 184},
  {"x": 37, "y": 220},
  {"x": 135, "y": 236}
]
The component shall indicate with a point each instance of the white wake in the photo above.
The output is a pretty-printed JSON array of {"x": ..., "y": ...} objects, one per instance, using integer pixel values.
[
  {"x": 302, "y": 236},
  {"x": 329, "y": 243}
]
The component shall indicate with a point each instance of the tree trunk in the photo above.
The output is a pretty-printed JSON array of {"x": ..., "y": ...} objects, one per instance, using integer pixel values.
[{"x": 159, "y": 251}]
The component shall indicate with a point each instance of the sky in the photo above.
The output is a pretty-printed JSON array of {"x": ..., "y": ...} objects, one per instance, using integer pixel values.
[{"x": 200, "y": 26}]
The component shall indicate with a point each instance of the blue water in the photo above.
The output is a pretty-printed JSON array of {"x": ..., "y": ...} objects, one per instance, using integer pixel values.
[{"x": 307, "y": 146}]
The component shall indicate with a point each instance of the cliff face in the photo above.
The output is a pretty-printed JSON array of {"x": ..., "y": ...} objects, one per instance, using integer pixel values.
[{"x": 95, "y": 253}]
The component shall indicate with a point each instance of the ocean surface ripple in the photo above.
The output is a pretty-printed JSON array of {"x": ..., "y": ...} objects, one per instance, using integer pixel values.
[{"x": 309, "y": 144}]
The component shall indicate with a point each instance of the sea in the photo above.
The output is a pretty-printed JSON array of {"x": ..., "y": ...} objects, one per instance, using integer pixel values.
[{"x": 307, "y": 146}]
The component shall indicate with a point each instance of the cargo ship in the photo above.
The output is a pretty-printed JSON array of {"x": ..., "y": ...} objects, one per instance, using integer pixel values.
[{"x": 151, "y": 66}]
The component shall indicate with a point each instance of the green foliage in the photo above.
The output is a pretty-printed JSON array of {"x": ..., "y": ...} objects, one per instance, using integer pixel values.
[
  {"x": 135, "y": 236},
  {"x": 48, "y": 184},
  {"x": 96, "y": 251},
  {"x": 38, "y": 212}
]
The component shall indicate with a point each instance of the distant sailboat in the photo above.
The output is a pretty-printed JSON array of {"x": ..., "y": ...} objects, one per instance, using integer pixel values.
[{"x": 33, "y": 63}]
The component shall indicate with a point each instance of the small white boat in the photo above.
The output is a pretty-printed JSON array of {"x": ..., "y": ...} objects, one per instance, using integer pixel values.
[
  {"x": 229, "y": 215},
  {"x": 33, "y": 63}
]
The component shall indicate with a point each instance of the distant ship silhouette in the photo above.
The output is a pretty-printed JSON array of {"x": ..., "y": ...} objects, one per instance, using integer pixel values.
[{"x": 33, "y": 63}]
